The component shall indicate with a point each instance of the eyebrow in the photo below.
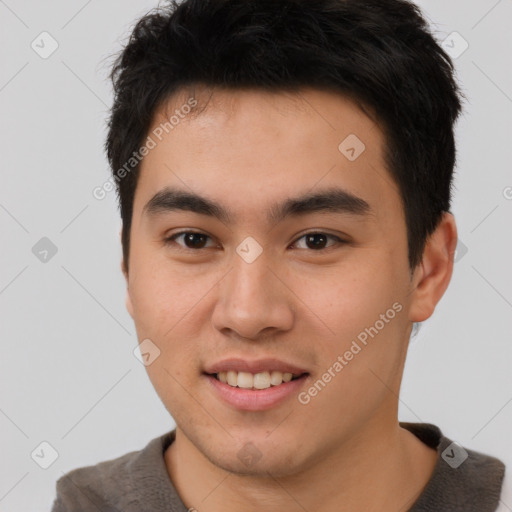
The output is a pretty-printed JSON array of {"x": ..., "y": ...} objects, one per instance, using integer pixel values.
[{"x": 333, "y": 200}]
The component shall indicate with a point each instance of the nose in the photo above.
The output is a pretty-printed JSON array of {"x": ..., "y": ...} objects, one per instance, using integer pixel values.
[{"x": 253, "y": 301}]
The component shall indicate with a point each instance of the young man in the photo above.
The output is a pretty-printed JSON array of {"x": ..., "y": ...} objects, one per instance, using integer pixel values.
[{"x": 284, "y": 172}]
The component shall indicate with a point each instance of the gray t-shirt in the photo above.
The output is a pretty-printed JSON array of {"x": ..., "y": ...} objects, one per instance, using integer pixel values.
[{"x": 138, "y": 481}]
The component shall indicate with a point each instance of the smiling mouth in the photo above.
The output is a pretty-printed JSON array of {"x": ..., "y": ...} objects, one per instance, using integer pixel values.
[{"x": 260, "y": 380}]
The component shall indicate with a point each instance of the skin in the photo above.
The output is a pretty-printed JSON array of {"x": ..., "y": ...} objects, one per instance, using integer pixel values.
[{"x": 247, "y": 150}]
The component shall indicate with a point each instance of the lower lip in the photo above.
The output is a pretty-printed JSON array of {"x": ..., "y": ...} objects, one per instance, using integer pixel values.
[{"x": 256, "y": 399}]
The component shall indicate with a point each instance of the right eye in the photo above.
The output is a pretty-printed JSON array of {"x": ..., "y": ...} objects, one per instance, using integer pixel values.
[{"x": 193, "y": 240}]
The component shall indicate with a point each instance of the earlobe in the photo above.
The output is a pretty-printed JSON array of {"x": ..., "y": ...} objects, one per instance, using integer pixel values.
[
  {"x": 128, "y": 300},
  {"x": 124, "y": 271},
  {"x": 433, "y": 275}
]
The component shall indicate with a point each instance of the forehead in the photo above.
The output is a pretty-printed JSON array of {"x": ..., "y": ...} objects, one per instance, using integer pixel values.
[
  {"x": 225, "y": 107},
  {"x": 250, "y": 147}
]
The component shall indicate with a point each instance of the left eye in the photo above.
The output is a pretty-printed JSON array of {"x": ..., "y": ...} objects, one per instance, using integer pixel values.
[
  {"x": 196, "y": 240},
  {"x": 319, "y": 240}
]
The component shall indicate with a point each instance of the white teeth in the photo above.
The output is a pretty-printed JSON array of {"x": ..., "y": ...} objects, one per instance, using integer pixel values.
[
  {"x": 246, "y": 380},
  {"x": 276, "y": 378},
  {"x": 232, "y": 378},
  {"x": 261, "y": 380}
]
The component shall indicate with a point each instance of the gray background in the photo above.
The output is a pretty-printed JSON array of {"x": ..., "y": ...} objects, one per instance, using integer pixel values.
[{"x": 68, "y": 373}]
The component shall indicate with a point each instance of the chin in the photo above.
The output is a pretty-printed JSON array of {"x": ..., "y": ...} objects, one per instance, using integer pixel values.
[{"x": 269, "y": 465}]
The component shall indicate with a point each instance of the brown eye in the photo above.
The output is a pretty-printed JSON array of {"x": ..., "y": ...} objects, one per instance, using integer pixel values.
[
  {"x": 318, "y": 241},
  {"x": 191, "y": 240}
]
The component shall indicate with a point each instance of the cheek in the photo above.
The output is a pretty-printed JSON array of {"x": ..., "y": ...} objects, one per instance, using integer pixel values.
[
  {"x": 160, "y": 294},
  {"x": 365, "y": 317},
  {"x": 172, "y": 307},
  {"x": 350, "y": 300},
  {"x": 360, "y": 359},
  {"x": 164, "y": 308}
]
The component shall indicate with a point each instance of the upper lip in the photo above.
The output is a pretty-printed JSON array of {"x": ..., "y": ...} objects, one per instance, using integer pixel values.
[{"x": 256, "y": 366}]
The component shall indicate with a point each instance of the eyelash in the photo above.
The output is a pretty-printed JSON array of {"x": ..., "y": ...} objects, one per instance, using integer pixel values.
[{"x": 171, "y": 240}]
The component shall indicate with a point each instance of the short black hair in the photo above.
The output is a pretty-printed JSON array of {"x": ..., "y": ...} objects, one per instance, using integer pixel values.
[{"x": 380, "y": 53}]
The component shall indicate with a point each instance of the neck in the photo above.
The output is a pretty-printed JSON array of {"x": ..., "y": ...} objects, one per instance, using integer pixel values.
[{"x": 382, "y": 468}]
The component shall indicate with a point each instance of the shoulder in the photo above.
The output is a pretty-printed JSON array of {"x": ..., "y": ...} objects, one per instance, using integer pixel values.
[
  {"x": 479, "y": 481},
  {"x": 109, "y": 485},
  {"x": 463, "y": 479},
  {"x": 506, "y": 494},
  {"x": 94, "y": 487}
]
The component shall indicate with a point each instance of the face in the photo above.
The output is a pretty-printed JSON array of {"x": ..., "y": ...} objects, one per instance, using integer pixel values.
[{"x": 289, "y": 254}]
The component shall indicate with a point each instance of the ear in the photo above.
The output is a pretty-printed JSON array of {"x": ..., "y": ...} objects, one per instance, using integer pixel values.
[
  {"x": 128, "y": 299},
  {"x": 432, "y": 276}
]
